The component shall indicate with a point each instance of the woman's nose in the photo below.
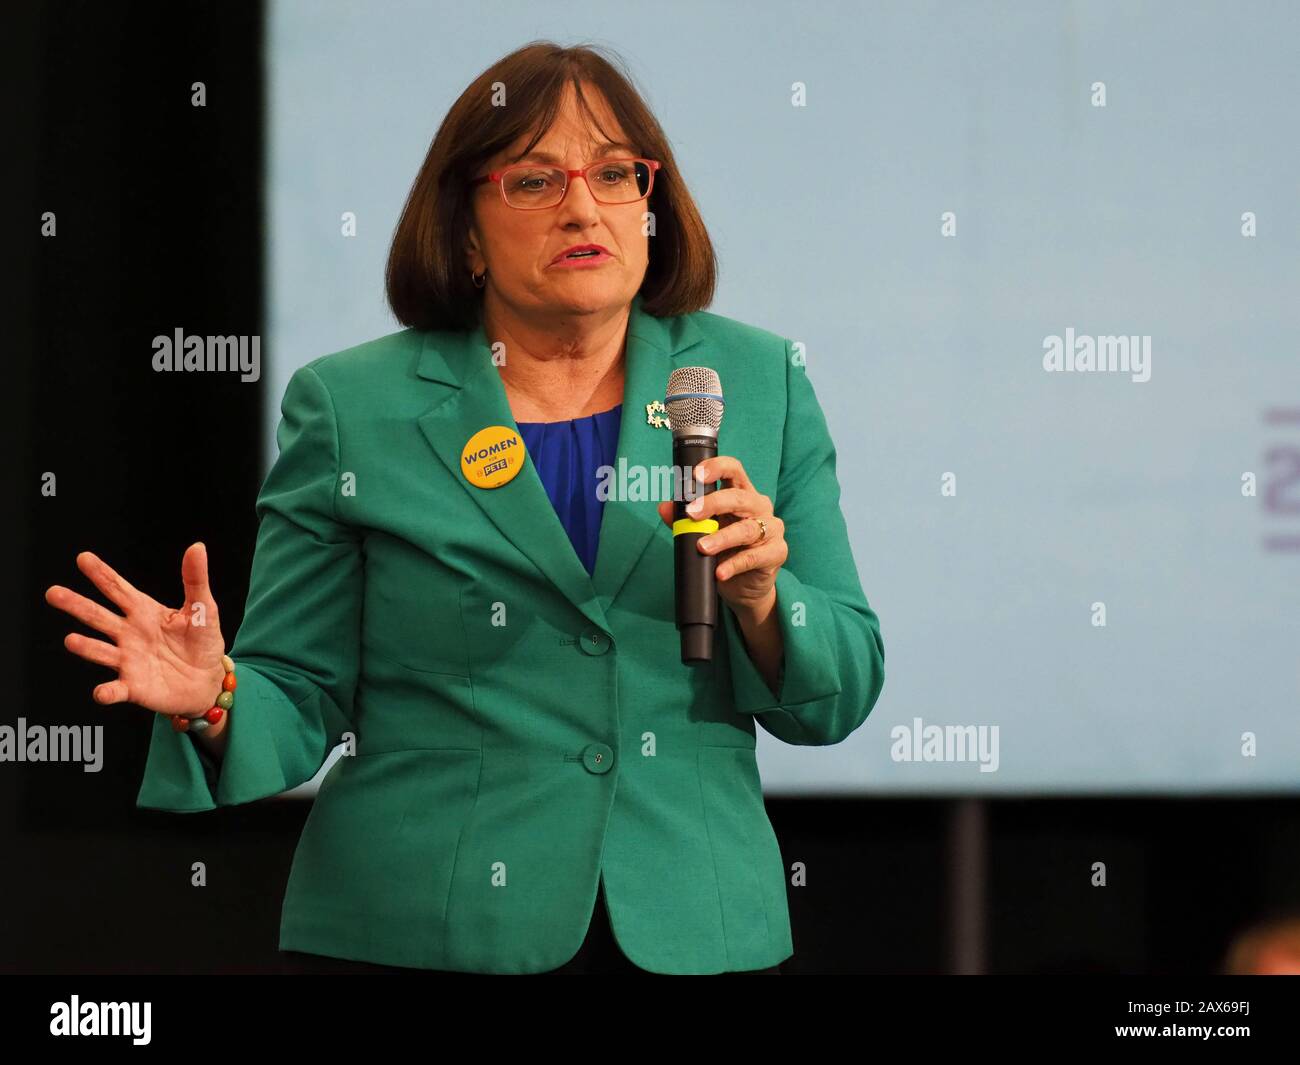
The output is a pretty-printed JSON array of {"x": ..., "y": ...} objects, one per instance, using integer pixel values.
[{"x": 578, "y": 203}]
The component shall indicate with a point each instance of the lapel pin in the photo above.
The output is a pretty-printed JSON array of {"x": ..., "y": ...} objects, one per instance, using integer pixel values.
[
  {"x": 656, "y": 414},
  {"x": 492, "y": 456}
]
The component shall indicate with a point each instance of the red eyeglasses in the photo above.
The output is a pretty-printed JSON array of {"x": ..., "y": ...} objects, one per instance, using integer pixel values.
[{"x": 535, "y": 186}]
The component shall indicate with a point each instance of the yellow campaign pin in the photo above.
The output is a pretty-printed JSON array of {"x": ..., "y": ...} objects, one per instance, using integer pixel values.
[{"x": 492, "y": 456}]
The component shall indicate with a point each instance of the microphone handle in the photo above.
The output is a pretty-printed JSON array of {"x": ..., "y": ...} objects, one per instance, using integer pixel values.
[{"x": 697, "y": 598}]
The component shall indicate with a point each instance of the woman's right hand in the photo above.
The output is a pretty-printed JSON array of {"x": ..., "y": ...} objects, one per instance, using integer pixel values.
[{"x": 166, "y": 660}]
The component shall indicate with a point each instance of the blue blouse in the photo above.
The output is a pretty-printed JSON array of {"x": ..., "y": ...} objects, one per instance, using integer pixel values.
[{"x": 567, "y": 455}]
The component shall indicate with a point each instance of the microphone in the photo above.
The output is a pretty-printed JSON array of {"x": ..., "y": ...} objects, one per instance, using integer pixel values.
[{"x": 694, "y": 403}]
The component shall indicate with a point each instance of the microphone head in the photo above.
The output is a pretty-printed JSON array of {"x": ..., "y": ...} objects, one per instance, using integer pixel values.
[{"x": 694, "y": 402}]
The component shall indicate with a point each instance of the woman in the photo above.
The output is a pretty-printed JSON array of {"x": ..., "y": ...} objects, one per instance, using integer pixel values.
[{"x": 527, "y": 759}]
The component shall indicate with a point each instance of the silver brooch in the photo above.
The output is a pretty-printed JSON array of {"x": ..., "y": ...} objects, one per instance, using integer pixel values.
[{"x": 656, "y": 414}]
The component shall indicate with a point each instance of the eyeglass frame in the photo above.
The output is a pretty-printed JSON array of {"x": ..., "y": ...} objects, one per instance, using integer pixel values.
[{"x": 495, "y": 177}]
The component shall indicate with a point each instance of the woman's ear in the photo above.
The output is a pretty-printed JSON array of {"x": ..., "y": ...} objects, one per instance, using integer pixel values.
[{"x": 473, "y": 256}]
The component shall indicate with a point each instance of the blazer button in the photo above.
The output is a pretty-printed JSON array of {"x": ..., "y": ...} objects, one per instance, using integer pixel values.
[
  {"x": 594, "y": 642},
  {"x": 597, "y": 758}
]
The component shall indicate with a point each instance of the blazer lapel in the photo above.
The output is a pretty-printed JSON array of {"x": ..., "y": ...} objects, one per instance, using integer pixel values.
[
  {"x": 627, "y": 525},
  {"x": 521, "y": 509}
]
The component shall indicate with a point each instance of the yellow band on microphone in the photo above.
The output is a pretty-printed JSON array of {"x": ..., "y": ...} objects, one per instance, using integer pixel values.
[{"x": 690, "y": 525}]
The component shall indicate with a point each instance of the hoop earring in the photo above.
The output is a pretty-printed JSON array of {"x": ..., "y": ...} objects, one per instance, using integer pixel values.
[{"x": 479, "y": 279}]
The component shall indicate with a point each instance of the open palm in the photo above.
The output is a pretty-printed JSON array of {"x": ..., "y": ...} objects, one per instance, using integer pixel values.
[{"x": 167, "y": 660}]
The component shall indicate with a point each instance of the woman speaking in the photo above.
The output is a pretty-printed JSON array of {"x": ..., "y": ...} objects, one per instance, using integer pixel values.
[{"x": 531, "y": 779}]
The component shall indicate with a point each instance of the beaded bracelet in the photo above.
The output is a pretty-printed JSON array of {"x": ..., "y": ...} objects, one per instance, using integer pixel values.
[{"x": 202, "y": 722}]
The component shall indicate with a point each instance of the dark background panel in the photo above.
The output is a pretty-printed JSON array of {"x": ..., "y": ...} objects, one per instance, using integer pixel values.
[
  {"x": 161, "y": 225},
  {"x": 159, "y": 215}
]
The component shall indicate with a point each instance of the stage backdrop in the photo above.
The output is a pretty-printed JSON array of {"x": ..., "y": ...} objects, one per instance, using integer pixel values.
[{"x": 1091, "y": 575}]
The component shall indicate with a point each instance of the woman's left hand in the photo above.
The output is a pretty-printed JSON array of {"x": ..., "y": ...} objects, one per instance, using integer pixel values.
[{"x": 747, "y": 560}]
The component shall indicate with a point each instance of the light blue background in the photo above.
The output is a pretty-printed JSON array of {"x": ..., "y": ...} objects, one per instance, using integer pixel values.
[{"x": 926, "y": 352}]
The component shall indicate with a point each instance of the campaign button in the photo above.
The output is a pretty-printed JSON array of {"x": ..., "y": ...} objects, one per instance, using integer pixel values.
[{"x": 492, "y": 456}]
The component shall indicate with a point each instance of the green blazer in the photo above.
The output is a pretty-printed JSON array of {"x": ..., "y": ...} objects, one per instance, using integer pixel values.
[{"x": 519, "y": 729}]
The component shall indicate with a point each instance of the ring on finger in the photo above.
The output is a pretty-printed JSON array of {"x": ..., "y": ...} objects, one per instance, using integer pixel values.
[{"x": 762, "y": 530}]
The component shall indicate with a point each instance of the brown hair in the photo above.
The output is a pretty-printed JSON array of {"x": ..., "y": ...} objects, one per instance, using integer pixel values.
[{"x": 427, "y": 281}]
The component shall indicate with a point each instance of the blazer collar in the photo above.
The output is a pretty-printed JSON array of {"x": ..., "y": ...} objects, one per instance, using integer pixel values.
[{"x": 521, "y": 509}]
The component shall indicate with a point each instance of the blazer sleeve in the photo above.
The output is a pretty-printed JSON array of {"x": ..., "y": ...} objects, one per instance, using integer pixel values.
[
  {"x": 297, "y": 652},
  {"x": 834, "y": 663}
]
